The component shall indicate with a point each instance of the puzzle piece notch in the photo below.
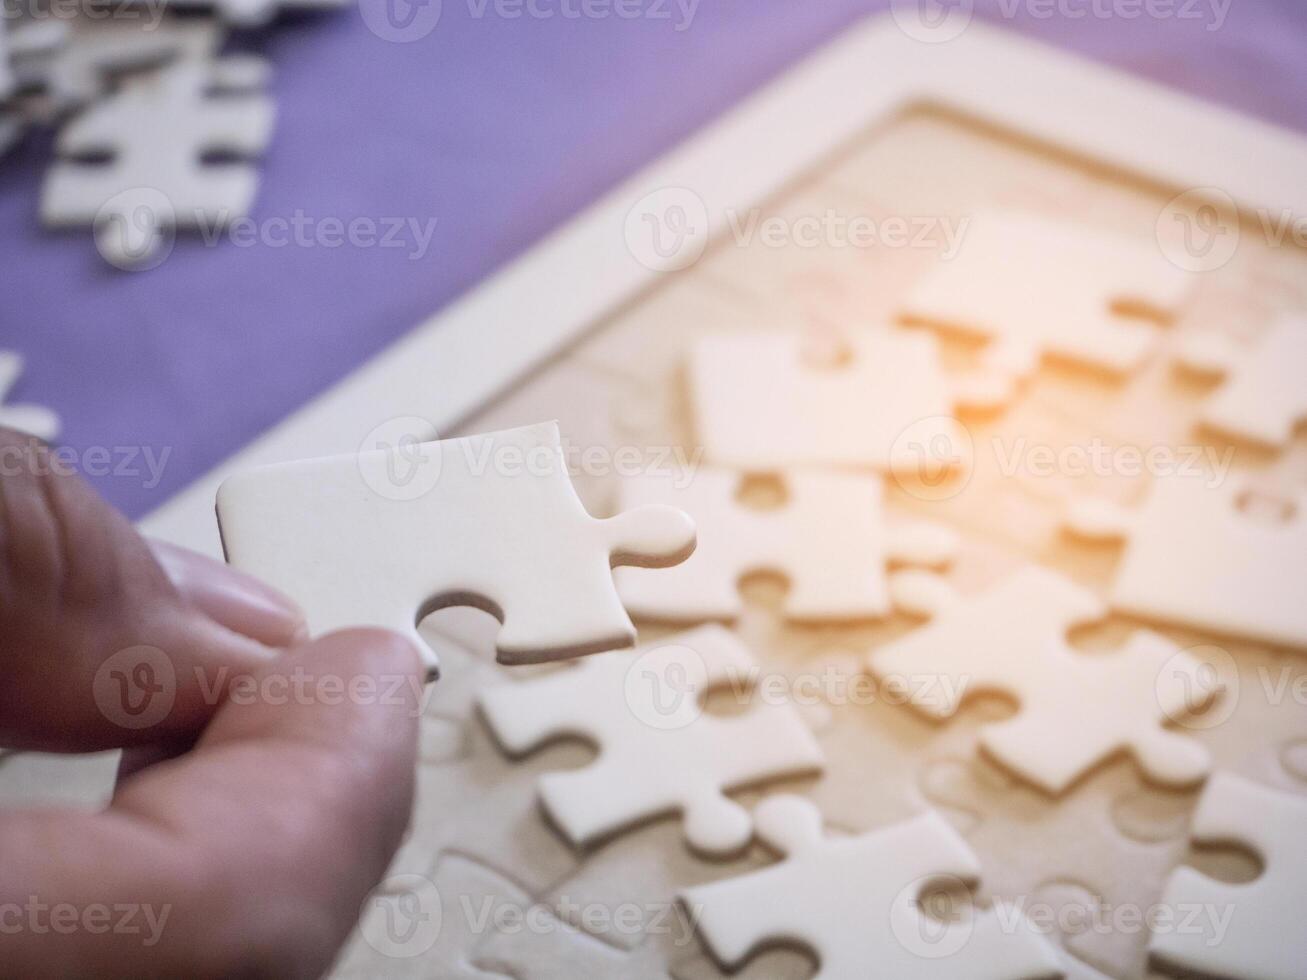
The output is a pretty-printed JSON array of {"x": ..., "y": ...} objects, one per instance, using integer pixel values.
[
  {"x": 829, "y": 539},
  {"x": 1193, "y": 557},
  {"x": 659, "y": 750},
  {"x": 761, "y": 402},
  {"x": 385, "y": 537},
  {"x": 856, "y": 903},
  {"x": 1034, "y": 287},
  {"x": 33, "y": 419},
  {"x": 157, "y": 129},
  {"x": 1075, "y": 709},
  {"x": 1262, "y": 398},
  {"x": 1264, "y": 938}
]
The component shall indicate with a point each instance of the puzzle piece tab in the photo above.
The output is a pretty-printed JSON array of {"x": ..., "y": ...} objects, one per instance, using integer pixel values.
[
  {"x": 1262, "y": 398},
  {"x": 1192, "y": 556},
  {"x": 386, "y": 536},
  {"x": 157, "y": 130},
  {"x": 829, "y": 539},
  {"x": 1076, "y": 710},
  {"x": 659, "y": 750},
  {"x": 1263, "y": 938},
  {"x": 1033, "y": 287},
  {"x": 761, "y": 402},
  {"x": 856, "y": 902}
]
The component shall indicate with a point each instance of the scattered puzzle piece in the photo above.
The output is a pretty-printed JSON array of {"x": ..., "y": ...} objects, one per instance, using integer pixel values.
[
  {"x": 762, "y": 401},
  {"x": 1263, "y": 937},
  {"x": 856, "y": 903},
  {"x": 829, "y": 539},
  {"x": 158, "y": 129},
  {"x": 1075, "y": 709},
  {"x": 1262, "y": 398},
  {"x": 385, "y": 536},
  {"x": 33, "y": 419},
  {"x": 659, "y": 750},
  {"x": 1192, "y": 557},
  {"x": 1033, "y": 286}
]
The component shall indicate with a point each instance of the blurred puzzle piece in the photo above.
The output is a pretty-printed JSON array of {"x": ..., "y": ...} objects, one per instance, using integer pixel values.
[
  {"x": 829, "y": 538},
  {"x": 659, "y": 750},
  {"x": 856, "y": 902},
  {"x": 1193, "y": 557},
  {"x": 1076, "y": 709}
]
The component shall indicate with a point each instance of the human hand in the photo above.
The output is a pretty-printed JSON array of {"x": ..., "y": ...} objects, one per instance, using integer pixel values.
[{"x": 251, "y": 852}]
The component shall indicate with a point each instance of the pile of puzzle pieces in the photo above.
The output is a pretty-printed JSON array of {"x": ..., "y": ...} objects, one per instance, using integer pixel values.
[{"x": 157, "y": 129}]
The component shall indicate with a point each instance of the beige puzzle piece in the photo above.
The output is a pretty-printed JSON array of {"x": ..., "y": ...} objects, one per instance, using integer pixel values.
[
  {"x": 1192, "y": 557},
  {"x": 1076, "y": 710},
  {"x": 856, "y": 902},
  {"x": 1262, "y": 397},
  {"x": 386, "y": 536},
  {"x": 829, "y": 539},
  {"x": 659, "y": 750},
  {"x": 1033, "y": 286},
  {"x": 764, "y": 401},
  {"x": 1263, "y": 938}
]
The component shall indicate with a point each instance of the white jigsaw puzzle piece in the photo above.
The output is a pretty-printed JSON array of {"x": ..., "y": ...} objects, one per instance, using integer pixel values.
[
  {"x": 1264, "y": 938},
  {"x": 1192, "y": 557},
  {"x": 1076, "y": 709},
  {"x": 33, "y": 419},
  {"x": 761, "y": 403},
  {"x": 1263, "y": 397},
  {"x": 856, "y": 902},
  {"x": 386, "y": 536},
  {"x": 1033, "y": 286},
  {"x": 829, "y": 539},
  {"x": 659, "y": 751},
  {"x": 157, "y": 129}
]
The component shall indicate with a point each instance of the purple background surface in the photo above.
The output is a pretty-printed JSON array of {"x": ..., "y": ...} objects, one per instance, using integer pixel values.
[{"x": 499, "y": 129}]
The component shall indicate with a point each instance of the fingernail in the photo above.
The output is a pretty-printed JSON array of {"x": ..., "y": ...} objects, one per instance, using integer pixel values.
[{"x": 236, "y": 600}]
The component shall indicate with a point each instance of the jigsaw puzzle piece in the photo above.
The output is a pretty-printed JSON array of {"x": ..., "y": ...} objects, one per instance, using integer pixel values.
[
  {"x": 762, "y": 401},
  {"x": 1262, "y": 398},
  {"x": 1264, "y": 939},
  {"x": 254, "y": 13},
  {"x": 47, "y": 779},
  {"x": 829, "y": 538},
  {"x": 1193, "y": 557},
  {"x": 423, "y": 927},
  {"x": 384, "y": 537},
  {"x": 1033, "y": 286},
  {"x": 33, "y": 419},
  {"x": 856, "y": 902},
  {"x": 1075, "y": 709},
  {"x": 660, "y": 751},
  {"x": 157, "y": 130}
]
